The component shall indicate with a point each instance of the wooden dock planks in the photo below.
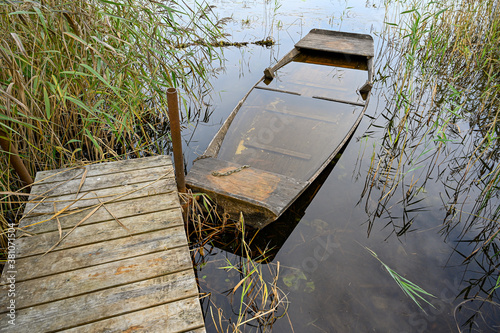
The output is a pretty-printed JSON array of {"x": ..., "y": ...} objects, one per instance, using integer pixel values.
[{"x": 123, "y": 263}]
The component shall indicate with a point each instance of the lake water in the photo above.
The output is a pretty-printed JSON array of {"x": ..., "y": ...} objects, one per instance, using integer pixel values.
[{"x": 332, "y": 282}]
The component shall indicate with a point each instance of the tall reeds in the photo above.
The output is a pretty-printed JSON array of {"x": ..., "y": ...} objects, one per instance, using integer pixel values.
[
  {"x": 86, "y": 80},
  {"x": 440, "y": 71}
]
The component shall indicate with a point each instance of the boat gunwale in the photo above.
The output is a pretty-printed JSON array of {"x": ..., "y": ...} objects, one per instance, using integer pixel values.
[{"x": 216, "y": 142}]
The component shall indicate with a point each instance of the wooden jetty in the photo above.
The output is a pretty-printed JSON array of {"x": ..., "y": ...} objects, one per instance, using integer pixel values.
[{"x": 102, "y": 248}]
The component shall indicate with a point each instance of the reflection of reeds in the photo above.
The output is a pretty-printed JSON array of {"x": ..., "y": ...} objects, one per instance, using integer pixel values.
[
  {"x": 445, "y": 87},
  {"x": 443, "y": 76},
  {"x": 258, "y": 301},
  {"x": 439, "y": 66}
]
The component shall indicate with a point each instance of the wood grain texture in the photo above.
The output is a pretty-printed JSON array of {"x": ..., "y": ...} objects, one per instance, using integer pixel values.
[
  {"x": 101, "y": 169},
  {"x": 108, "y": 230},
  {"x": 99, "y": 253},
  {"x": 260, "y": 195},
  {"x": 87, "y": 308},
  {"x": 100, "y": 182},
  {"x": 171, "y": 317},
  {"x": 82, "y": 281},
  {"x": 265, "y": 129},
  {"x": 51, "y": 205},
  {"x": 338, "y": 42},
  {"x": 283, "y": 61},
  {"x": 121, "y": 209},
  {"x": 123, "y": 264}
]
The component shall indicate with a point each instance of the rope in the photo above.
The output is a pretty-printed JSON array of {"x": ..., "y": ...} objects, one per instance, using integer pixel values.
[{"x": 230, "y": 172}]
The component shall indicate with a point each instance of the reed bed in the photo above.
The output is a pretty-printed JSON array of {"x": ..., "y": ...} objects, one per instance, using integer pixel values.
[
  {"x": 440, "y": 67},
  {"x": 85, "y": 81},
  {"x": 439, "y": 70}
]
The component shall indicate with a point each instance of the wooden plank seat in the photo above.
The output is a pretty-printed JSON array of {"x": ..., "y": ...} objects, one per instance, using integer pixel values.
[
  {"x": 338, "y": 42},
  {"x": 267, "y": 194}
]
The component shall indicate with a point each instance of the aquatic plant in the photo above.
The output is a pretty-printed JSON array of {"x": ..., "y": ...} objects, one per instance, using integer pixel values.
[
  {"x": 86, "y": 80},
  {"x": 444, "y": 107},
  {"x": 440, "y": 68},
  {"x": 410, "y": 289},
  {"x": 256, "y": 299}
]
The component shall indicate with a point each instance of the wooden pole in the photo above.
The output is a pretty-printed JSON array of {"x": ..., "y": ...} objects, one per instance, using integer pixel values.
[
  {"x": 15, "y": 161},
  {"x": 175, "y": 130}
]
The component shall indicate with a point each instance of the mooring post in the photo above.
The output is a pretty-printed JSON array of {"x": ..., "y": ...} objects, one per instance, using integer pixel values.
[
  {"x": 175, "y": 130},
  {"x": 15, "y": 161}
]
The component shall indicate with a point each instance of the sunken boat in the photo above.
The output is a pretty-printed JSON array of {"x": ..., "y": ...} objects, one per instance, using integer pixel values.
[{"x": 288, "y": 128}]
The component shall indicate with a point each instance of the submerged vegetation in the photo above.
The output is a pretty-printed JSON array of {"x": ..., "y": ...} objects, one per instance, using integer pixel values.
[
  {"x": 256, "y": 300},
  {"x": 410, "y": 289},
  {"x": 442, "y": 59}
]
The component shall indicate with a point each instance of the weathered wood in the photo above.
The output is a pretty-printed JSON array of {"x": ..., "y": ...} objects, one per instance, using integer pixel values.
[
  {"x": 332, "y": 59},
  {"x": 171, "y": 317},
  {"x": 88, "y": 234},
  {"x": 82, "y": 281},
  {"x": 278, "y": 90},
  {"x": 123, "y": 261},
  {"x": 102, "y": 304},
  {"x": 282, "y": 130},
  {"x": 261, "y": 130},
  {"x": 101, "y": 169},
  {"x": 279, "y": 150},
  {"x": 339, "y": 42},
  {"x": 214, "y": 145},
  {"x": 269, "y": 72},
  {"x": 268, "y": 194},
  {"x": 324, "y": 119},
  {"x": 121, "y": 209},
  {"x": 339, "y": 100},
  {"x": 52, "y": 205},
  {"x": 308, "y": 80},
  {"x": 101, "y": 182},
  {"x": 99, "y": 253}
]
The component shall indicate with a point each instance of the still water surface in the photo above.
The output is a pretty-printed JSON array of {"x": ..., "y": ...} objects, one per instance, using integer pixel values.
[{"x": 332, "y": 283}]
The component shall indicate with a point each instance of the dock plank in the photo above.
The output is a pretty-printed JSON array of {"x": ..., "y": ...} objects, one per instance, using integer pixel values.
[
  {"x": 83, "y": 309},
  {"x": 95, "y": 170},
  {"x": 90, "y": 198},
  {"x": 82, "y": 281},
  {"x": 88, "y": 234},
  {"x": 171, "y": 317},
  {"x": 101, "y": 182},
  {"x": 45, "y": 223},
  {"x": 123, "y": 263},
  {"x": 99, "y": 253}
]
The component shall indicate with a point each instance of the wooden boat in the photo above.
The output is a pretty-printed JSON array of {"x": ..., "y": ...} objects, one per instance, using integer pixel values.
[
  {"x": 265, "y": 244},
  {"x": 288, "y": 127}
]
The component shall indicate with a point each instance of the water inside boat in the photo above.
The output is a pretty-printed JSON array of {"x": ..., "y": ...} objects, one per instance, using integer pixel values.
[{"x": 292, "y": 124}]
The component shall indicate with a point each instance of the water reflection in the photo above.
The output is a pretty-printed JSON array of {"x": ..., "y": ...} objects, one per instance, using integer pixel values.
[
  {"x": 434, "y": 155},
  {"x": 405, "y": 187}
]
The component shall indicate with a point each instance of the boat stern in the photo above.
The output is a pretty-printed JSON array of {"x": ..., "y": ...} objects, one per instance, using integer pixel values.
[{"x": 260, "y": 195}]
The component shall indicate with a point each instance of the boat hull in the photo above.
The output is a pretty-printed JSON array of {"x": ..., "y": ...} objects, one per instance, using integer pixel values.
[{"x": 288, "y": 127}]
